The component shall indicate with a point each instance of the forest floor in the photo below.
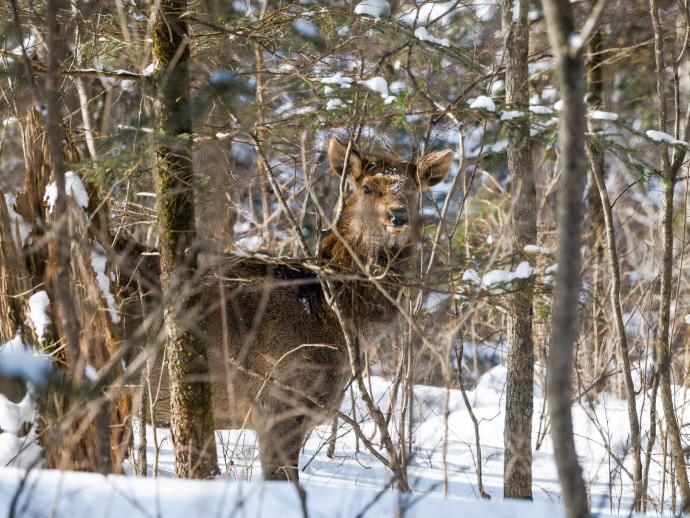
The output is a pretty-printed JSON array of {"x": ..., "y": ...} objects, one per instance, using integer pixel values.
[{"x": 354, "y": 483}]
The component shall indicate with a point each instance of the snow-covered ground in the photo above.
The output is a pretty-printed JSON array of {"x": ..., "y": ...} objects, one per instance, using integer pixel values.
[{"x": 354, "y": 482}]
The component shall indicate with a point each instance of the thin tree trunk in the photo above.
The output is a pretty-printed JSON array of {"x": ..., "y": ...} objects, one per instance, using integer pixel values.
[
  {"x": 191, "y": 427},
  {"x": 54, "y": 134},
  {"x": 517, "y": 468},
  {"x": 620, "y": 327},
  {"x": 663, "y": 352},
  {"x": 561, "y": 27}
]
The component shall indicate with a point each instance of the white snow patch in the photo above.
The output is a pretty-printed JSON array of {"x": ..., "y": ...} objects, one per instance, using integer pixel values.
[
  {"x": 558, "y": 105},
  {"x": 511, "y": 114},
  {"x": 604, "y": 116},
  {"x": 660, "y": 136},
  {"x": 147, "y": 71},
  {"x": 18, "y": 361},
  {"x": 422, "y": 34},
  {"x": 377, "y": 84},
  {"x": 306, "y": 28},
  {"x": 375, "y": 8},
  {"x": 38, "y": 313},
  {"x": 540, "y": 110},
  {"x": 18, "y": 224},
  {"x": 73, "y": 187},
  {"x": 99, "y": 259},
  {"x": 337, "y": 79},
  {"x": 471, "y": 276},
  {"x": 332, "y": 104},
  {"x": 484, "y": 102}
]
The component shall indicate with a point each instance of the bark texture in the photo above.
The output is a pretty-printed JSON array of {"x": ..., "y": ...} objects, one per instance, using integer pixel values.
[
  {"x": 663, "y": 348},
  {"x": 191, "y": 416},
  {"x": 564, "y": 325},
  {"x": 517, "y": 469}
]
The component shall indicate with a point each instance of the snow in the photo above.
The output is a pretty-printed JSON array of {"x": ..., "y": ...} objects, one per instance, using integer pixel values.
[
  {"x": 534, "y": 249},
  {"x": 540, "y": 110},
  {"x": 575, "y": 41},
  {"x": 687, "y": 319},
  {"x": 38, "y": 313},
  {"x": 306, "y": 28},
  {"x": 660, "y": 136},
  {"x": 18, "y": 224},
  {"x": 604, "y": 116},
  {"x": 18, "y": 361},
  {"x": 484, "y": 102},
  {"x": 377, "y": 84},
  {"x": 471, "y": 276},
  {"x": 249, "y": 243},
  {"x": 346, "y": 485},
  {"x": 426, "y": 12},
  {"x": 422, "y": 34},
  {"x": 22, "y": 451},
  {"x": 221, "y": 77},
  {"x": 332, "y": 104},
  {"x": 495, "y": 280},
  {"x": 558, "y": 105},
  {"x": 221, "y": 135},
  {"x": 511, "y": 114},
  {"x": 147, "y": 71},
  {"x": 99, "y": 259},
  {"x": 337, "y": 79},
  {"x": 374, "y": 8},
  {"x": 73, "y": 187}
]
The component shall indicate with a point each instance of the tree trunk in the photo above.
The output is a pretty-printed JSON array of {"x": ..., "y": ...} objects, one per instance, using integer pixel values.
[
  {"x": 190, "y": 389},
  {"x": 517, "y": 468},
  {"x": 561, "y": 27},
  {"x": 663, "y": 346}
]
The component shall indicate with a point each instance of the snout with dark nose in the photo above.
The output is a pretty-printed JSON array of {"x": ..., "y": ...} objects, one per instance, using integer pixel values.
[{"x": 399, "y": 217}]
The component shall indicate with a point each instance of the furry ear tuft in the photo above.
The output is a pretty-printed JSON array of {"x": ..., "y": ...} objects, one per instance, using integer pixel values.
[
  {"x": 336, "y": 157},
  {"x": 433, "y": 168}
]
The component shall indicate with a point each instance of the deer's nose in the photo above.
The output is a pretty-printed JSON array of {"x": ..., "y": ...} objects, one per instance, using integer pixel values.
[{"x": 398, "y": 217}]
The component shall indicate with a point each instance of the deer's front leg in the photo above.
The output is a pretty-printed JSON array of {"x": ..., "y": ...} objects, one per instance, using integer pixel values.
[{"x": 280, "y": 441}]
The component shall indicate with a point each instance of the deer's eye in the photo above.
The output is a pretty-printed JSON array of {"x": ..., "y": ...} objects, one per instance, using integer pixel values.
[
  {"x": 370, "y": 167},
  {"x": 366, "y": 190}
]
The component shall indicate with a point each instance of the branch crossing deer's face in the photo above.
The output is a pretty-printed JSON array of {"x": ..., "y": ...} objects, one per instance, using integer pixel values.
[{"x": 383, "y": 205}]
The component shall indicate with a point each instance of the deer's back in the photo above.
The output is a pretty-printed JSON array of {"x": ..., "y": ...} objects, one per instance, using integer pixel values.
[{"x": 272, "y": 320}]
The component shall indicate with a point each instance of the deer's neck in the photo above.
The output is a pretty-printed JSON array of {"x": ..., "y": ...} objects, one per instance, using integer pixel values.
[{"x": 369, "y": 311}]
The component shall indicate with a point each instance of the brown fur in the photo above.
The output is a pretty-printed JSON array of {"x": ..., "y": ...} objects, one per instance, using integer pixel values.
[{"x": 274, "y": 318}]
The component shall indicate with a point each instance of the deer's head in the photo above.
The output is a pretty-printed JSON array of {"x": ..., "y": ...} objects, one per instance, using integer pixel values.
[{"x": 382, "y": 209}]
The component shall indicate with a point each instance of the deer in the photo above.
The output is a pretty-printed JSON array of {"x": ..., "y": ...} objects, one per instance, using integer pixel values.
[{"x": 277, "y": 351}]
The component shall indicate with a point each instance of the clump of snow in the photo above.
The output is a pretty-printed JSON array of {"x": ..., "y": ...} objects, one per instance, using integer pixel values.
[
  {"x": 534, "y": 249},
  {"x": 495, "y": 280},
  {"x": 398, "y": 87},
  {"x": 250, "y": 243},
  {"x": 38, "y": 313},
  {"x": 377, "y": 84},
  {"x": 499, "y": 146},
  {"x": 147, "y": 71},
  {"x": 337, "y": 79},
  {"x": 18, "y": 224},
  {"x": 687, "y": 319},
  {"x": 221, "y": 77},
  {"x": 558, "y": 105},
  {"x": 604, "y": 116},
  {"x": 73, "y": 187},
  {"x": 490, "y": 239},
  {"x": 540, "y": 110},
  {"x": 221, "y": 135},
  {"x": 484, "y": 102},
  {"x": 90, "y": 373},
  {"x": 375, "y": 8},
  {"x": 99, "y": 259},
  {"x": 18, "y": 361},
  {"x": 511, "y": 114},
  {"x": 575, "y": 41},
  {"x": 471, "y": 276},
  {"x": 660, "y": 136},
  {"x": 422, "y": 34},
  {"x": 306, "y": 28},
  {"x": 241, "y": 227},
  {"x": 332, "y": 104}
]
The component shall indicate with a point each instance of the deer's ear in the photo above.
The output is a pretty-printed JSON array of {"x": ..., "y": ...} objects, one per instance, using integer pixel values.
[
  {"x": 336, "y": 156},
  {"x": 433, "y": 168}
]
